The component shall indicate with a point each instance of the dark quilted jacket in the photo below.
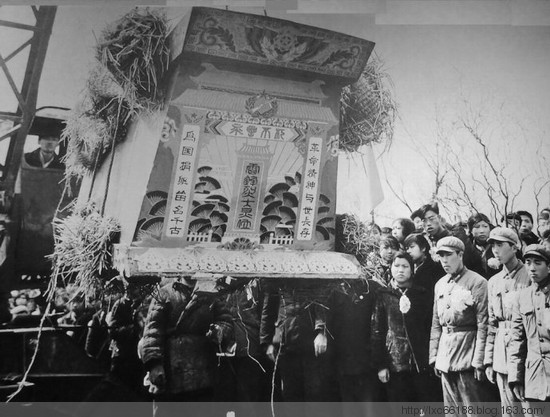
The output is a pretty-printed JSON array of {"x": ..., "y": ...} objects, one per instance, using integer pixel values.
[
  {"x": 291, "y": 318},
  {"x": 427, "y": 275},
  {"x": 350, "y": 324},
  {"x": 400, "y": 342},
  {"x": 124, "y": 330},
  {"x": 187, "y": 354}
]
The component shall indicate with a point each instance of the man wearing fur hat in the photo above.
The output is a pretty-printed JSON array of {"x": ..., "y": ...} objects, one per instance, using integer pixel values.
[
  {"x": 459, "y": 327},
  {"x": 529, "y": 349},
  {"x": 502, "y": 289}
]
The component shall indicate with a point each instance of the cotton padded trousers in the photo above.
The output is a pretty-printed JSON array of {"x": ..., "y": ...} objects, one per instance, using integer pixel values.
[
  {"x": 461, "y": 389},
  {"x": 508, "y": 399}
]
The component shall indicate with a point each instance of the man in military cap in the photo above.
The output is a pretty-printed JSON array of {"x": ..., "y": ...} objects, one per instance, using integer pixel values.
[
  {"x": 459, "y": 327},
  {"x": 502, "y": 289},
  {"x": 529, "y": 349}
]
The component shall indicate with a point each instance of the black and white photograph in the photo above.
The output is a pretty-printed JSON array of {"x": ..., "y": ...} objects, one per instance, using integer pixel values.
[{"x": 280, "y": 208}]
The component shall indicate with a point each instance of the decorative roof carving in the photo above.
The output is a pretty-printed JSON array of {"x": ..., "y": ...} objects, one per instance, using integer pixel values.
[{"x": 274, "y": 42}]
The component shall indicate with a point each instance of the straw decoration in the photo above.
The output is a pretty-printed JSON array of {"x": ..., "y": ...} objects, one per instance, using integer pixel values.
[
  {"x": 82, "y": 248},
  {"x": 356, "y": 238},
  {"x": 135, "y": 51},
  {"x": 133, "y": 58},
  {"x": 367, "y": 109}
]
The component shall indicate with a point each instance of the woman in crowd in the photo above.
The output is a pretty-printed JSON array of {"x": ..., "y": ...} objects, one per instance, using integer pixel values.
[
  {"x": 400, "y": 336},
  {"x": 401, "y": 228},
  {"x": 426, "y": 271},
  {"x": 479, "y": 227}
]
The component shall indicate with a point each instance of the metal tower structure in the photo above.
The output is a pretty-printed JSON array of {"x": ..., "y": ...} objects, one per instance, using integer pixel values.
[{"x": 26, "y": 93}]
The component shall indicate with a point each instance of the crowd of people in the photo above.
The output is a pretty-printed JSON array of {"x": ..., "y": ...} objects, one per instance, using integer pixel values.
[
  {"x": 26, "y": 306},
  {"x": 454, "y": 313},
  {"x": 24, "y": 302}
]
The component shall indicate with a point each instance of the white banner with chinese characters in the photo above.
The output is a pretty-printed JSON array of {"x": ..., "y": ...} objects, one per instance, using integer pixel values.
[
  {"x": 182, "y": 185},
  {"x": 306, "y": 219},
  {"x": 248, "y": 210}
]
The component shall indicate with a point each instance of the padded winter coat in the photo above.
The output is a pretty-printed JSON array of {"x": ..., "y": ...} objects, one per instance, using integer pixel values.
[
  {"x": 529, "y": 348},
  {"x": 459, "y": 322},
  {"x": 400, "y": 341},
  {"x": 292, "y": 317},
  {"x": 502, "y": 289},
  {"x": 175, "y": 335},
  {"x": 350, "y": 324}
]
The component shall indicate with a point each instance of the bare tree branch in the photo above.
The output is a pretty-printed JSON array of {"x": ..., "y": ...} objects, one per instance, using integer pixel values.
[
  {"x": 399, "y": 196},
  {"x": 516, "y": 194},
  {"x": 537, "y": 191}
]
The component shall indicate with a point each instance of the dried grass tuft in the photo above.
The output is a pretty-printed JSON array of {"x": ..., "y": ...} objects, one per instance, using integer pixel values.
[
  {"x": 356, "y": 238},
  {"x": 102, "y": 83},
  {"x": 87, "y": 136},
  {"x": 367, "y": 109},
  {"x": 134, "y": 49},
  {"x": 133, "y": 58},
  {"x": 82, "y": 248}
]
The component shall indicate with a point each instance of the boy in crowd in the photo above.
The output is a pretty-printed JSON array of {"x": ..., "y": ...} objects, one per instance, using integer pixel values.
[
  {"x": 502, "y": 289},
  {"x": 529, "y": 349},
  {"x": 389, "y": 246},
  {"x": 526, "y": 229},
  {"x": 435, "y": 230}
]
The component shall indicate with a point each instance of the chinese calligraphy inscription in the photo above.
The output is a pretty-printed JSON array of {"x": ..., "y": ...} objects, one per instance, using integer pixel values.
[
  {"x": 182, "y": 183},
  {"x": 310, "y": 189}
]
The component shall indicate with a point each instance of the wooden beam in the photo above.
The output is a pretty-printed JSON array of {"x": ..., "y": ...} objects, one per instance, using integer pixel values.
[
  {"x": 9, "y": 116},
  {"x": 12, "y": 84},
  {"x": 29, "y": 90},
  {"x": 10, "y": 132},
  {"x": 16, "y": 51},
  {"x": 35, "y": 11},
  {"x": 15, "y": 25}
]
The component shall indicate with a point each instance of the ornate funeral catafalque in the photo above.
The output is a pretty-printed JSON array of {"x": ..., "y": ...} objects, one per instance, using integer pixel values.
[{"x": 236, "y": 174}]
